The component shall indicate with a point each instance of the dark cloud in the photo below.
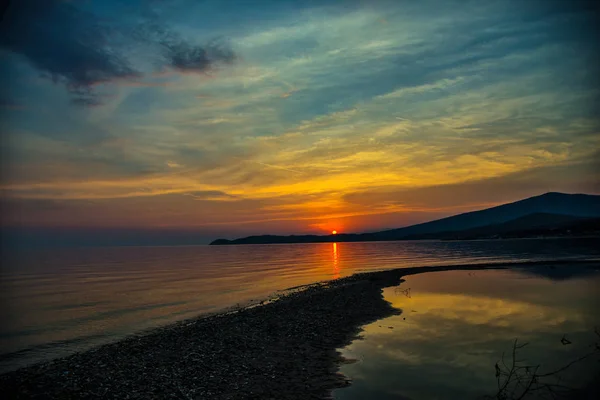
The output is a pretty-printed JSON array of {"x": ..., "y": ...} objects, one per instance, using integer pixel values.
[
  {"x": 177, "y": 52},
  {"x": 84, "y": 96},
  {"x": 76, "y": 48},
  {"x": 188, "y": 58},
  {"x": 66, "y": 44},
  {"x": 10, "y": 105}
]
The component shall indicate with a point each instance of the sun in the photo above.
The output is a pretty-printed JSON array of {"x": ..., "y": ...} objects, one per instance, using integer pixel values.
[{"x": 334, "y": 232}]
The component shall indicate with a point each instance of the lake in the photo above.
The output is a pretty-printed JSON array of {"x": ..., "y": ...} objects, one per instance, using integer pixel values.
[
  {"x": 59, "y": 301},
  {"x": 455, "y": 326}
]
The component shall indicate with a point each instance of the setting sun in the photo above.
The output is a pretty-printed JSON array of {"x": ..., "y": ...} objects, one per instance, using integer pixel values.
[{"x": 334, "y": 232}]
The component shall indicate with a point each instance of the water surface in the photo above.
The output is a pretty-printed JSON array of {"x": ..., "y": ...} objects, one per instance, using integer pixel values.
[
  {"x": 455, "y": 325},
  {"x": 58, "y": 301}
]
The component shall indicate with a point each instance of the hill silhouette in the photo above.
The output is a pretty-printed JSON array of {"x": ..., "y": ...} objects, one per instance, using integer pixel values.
[
  {"x": 537, "y": 224},
  {"x": 547, "y": 214}
]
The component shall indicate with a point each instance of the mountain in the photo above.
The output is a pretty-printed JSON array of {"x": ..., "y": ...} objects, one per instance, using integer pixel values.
[
  {"x": 534, "y": 212},
  {"x": 537, "y": 224},
  {"x": 530, "y": 221},
  {"x": 581, "y": 205}
]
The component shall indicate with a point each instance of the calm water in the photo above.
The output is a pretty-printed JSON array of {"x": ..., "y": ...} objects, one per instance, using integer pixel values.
[
  {"x": 55, "y": 302},
  {"x": 455, "y": 326}
]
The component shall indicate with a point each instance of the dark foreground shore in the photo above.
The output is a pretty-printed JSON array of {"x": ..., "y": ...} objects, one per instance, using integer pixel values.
[{"x": 284, "y": 349}]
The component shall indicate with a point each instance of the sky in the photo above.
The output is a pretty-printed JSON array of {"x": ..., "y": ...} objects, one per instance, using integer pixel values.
[{"x": 228, "y": 118}]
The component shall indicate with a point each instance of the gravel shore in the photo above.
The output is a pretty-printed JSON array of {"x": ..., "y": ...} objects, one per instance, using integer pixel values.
[{"x": 285, "y": 349}]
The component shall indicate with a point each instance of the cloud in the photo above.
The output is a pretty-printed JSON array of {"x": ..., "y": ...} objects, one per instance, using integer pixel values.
[
  {"x": 185, "y": 57},
  {"x": 64, "y": 43},
  {"x": 488, "y": 191},
  {"x": 212, "y": 195},
  {"x": 10, "y": 105},
  {"x": 71, "y": 45},
  {"x": 324, "y": 113}
]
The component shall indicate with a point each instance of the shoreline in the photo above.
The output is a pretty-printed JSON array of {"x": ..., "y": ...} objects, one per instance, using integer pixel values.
[
  {"x": 339, "y": 238},
  {"x": 284, "y": 347}
]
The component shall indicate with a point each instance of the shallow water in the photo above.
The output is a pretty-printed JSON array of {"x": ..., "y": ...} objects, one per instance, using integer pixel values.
[
  {"x": 58, "y": 301},
  {"x": 455, "y": 325}
]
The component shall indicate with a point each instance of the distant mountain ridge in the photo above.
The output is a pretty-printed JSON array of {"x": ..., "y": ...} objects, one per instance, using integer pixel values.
[
  {"x": 526, "y": 226},
  {"x": 581, "y": 205},
  {"x": 548, "y": 210}
]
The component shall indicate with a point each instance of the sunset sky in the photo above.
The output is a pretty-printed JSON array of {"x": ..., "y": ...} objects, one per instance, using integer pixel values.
[{"x": 231, "y": 118}]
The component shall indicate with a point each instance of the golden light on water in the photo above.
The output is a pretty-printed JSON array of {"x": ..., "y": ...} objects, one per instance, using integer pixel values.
[{"x": 336, "y": 267}]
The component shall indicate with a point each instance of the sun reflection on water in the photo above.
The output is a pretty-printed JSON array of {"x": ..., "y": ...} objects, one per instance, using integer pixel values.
[{"x": 336, "y": 267}]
